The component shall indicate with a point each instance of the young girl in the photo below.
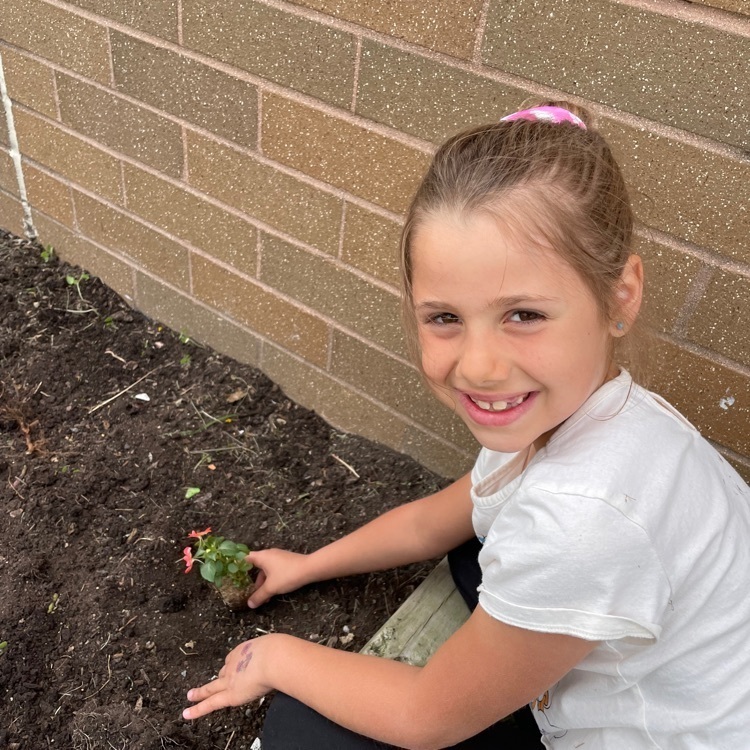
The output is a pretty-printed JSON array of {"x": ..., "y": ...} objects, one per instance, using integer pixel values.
[{"x": 613, "y": 546}]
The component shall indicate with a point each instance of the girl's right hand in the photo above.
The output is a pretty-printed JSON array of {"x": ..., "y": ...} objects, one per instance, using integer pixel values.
[{"x": 280, "y": 573}]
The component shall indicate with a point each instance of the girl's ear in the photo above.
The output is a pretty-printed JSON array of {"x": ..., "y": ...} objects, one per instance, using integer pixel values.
[{"x": 628, "y": 295}]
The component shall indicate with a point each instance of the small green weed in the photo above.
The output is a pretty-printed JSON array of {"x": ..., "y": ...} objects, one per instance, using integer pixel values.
[
  {"x": 76, "y": 282},
  {"x": 52, "y": 606}
]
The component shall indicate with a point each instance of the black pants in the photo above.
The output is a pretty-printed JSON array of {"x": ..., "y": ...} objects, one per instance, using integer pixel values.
[{"x": 291, "y": 725}]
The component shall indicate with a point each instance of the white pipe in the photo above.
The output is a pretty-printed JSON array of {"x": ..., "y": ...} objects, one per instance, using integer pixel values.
[{"x": 15, "y": 155}]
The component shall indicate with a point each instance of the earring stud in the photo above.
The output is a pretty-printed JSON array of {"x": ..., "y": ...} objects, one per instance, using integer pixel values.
[{"x": 620, "y": 325}]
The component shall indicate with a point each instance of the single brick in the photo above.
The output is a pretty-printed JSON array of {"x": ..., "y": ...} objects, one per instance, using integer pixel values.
[
  {"x": 12, "y": 213},
  {"x": 340, "y": 406},
  {"x": 333, "y": 291},
  {"x": 220, "y": 233},
  {"x": 122, "y": 126},
  {"x": 685, "y": 191},
  {"x": 264, "y": 193},
  {"x": 49, "y": 195},
  {"x": 8, "y": 179},
  {"x": 443, "y": 458},
  {"x": 77, "y": 250},
  {"x": 668, "y": 277},
  {"x": 736, "y": 6},
  {"x": 157, "y": 17},
  {"x": 4, "y": 141},
  {"x": 369, "y": 165},
  {"x": 284, "y": 48},
  {"x": 112, "y": 229},
  {"x": 186, "y": 88},
  {"x": 394, "y": 384},
  {"x": 371, "y": 243},
  {"x": 57, "y": 35},
  {"x": 426, "y": 98},
  {"x": 69, "y": 156},
  {"x": 29, "y": 82},
  {"x": 685, "y": 74},
  {"x": 260, "y": 310},
  {"x": 721, "y": 321},
  {"x": 448, "y": 26},
  {"x": 182, "y": 313},
  {"x": 703, "y": 391}
]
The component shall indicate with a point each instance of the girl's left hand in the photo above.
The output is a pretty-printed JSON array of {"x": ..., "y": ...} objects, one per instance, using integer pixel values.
[{"x": 240, "y": 680}]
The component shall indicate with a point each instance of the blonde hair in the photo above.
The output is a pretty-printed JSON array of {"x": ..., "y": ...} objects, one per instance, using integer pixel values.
[{"x": 557, "y": 183}]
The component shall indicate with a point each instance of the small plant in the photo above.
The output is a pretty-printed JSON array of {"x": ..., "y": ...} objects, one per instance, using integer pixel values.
[
  {"x": 76, "y": 282},
  {"x": 192, "y": 492},
  {"x": 3, "y": 646},
  {"x": 222, "y": 563},
  {"x": 48, "y": 253}
]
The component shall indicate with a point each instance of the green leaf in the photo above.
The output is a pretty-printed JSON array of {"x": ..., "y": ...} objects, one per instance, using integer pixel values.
[
  {"x": 191, "y": 492},
  {"x": 240, "y": 555},
  {"x": 243, "y": 548},
  {"x": 233, "y": 567},
  {"x": 220, "y": 568},
  {"x": 217, "y": 581},
  {"x": 208, "y": 570},
  {"x": 227, "y": 547}
]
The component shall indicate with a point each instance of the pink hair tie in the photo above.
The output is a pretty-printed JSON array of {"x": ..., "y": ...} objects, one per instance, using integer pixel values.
[{"x": 546, "y": 114}]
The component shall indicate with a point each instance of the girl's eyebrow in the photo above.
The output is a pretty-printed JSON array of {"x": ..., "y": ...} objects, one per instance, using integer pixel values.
[{"x": 515, "y": 300}]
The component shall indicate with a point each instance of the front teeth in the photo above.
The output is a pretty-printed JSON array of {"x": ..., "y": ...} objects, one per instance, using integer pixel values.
[{"x": 498, "y": 405}]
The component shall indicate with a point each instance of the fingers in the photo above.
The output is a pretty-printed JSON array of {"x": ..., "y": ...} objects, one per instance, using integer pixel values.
[
  {"x": 212, "y": 703},
  {"x": 260, "y": 595},
  {"x": 204, "y": 691},
  {"x": 256, "y": 558}
]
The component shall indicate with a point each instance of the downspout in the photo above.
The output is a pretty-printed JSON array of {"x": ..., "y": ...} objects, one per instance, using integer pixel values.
[{"x": 15, "y": 155}]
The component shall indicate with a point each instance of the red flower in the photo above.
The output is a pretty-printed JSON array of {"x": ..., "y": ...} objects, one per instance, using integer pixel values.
[
  {"x": 199, "y": 534},
  {"x": 188, "y": 558}
]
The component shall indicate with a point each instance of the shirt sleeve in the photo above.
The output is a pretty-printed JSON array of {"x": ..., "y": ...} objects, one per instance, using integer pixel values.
[{"x": 561, "y": 563}]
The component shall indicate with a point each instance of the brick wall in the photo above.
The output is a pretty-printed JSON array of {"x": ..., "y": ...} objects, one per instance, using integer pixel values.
[{"x": 239, "y": 170}]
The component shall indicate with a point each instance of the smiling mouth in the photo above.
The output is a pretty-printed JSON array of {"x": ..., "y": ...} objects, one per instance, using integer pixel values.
[{"x": 499, "y": 405}]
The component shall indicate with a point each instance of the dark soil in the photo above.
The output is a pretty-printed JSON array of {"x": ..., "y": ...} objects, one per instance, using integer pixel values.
[{"x": 104, "y": 632}]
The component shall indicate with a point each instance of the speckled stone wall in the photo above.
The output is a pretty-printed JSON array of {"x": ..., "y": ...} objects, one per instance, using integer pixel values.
[{"x": 239, "y": 171}]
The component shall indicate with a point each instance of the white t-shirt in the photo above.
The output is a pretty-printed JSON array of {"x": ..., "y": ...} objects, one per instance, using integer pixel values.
[{"x": 628, "y": 528}]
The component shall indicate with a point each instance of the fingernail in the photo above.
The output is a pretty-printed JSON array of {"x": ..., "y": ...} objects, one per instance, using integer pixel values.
[
  {"x": 186, "y": 713},
  {"x": 190, "y": 695},
  {"x": 251, "y": 605}
]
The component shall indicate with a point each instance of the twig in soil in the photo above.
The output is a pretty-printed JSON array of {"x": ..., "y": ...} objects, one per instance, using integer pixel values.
[
  {"x": 116, "y": 356},
  {"x": 26, "y": 427},
  {"x": 343, "y": 463},
  {"x": 109, "y": 672},
  {"x": 231, "y": 737},
  {"x": 281, "y": 519},
  {"x": 13, "y": 485},
  {"x": 123, "y": 391},
  {"x": 119, "y": 630}
]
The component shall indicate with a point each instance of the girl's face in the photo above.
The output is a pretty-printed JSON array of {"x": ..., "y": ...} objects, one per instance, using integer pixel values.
[{"x": 511, "y": 337}]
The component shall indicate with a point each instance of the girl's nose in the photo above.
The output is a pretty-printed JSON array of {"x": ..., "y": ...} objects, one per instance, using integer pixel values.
[{"x": 482, "y": 362}]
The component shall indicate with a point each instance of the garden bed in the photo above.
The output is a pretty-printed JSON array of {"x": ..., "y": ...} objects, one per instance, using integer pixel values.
[{"x": 104, "y": 632}]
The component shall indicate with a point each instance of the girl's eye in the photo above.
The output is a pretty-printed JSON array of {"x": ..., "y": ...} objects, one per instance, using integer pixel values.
[
  {"x": 525, "y": 316},
  {"x": 443, "y": 319}
]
